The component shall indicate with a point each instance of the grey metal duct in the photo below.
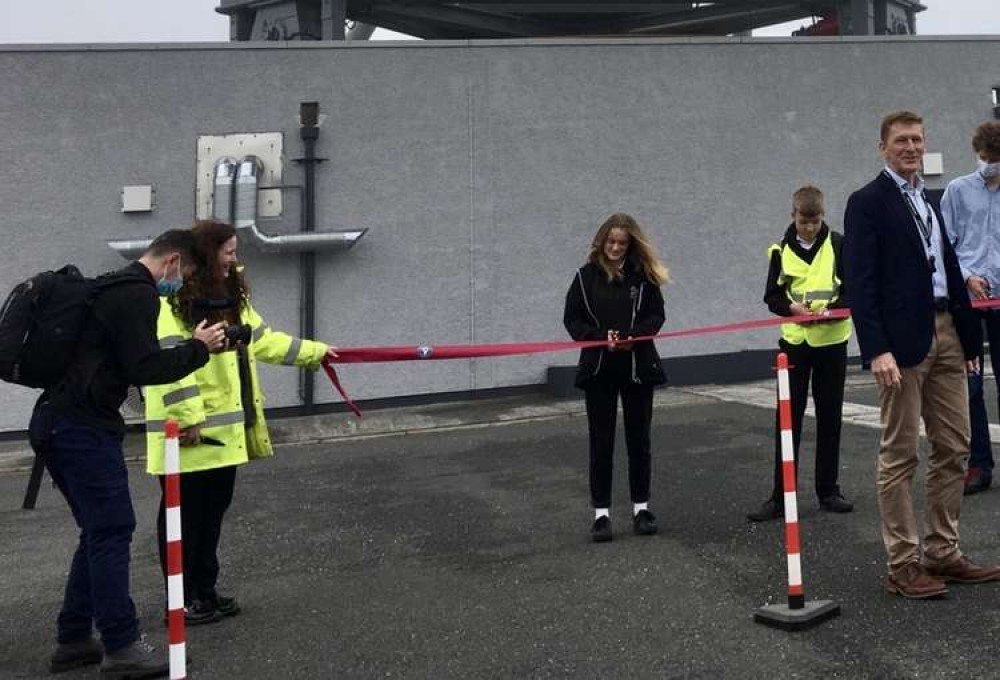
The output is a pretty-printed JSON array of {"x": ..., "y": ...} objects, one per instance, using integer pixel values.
[
  {"x": 245, "y": 177},
  {"x": 132, "y": 249},
  {"x": 313, "y": 242},
  {"x": 247, "y": 180},
  {"x": 360, "y": 31},
  {"x": 223, "y": 176}
]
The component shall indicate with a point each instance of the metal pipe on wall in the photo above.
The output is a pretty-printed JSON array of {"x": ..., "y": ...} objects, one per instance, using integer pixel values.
[{"x": 309, "y": 133}]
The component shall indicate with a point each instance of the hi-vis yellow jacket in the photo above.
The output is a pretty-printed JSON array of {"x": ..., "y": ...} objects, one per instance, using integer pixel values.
[
  {"x": 816, "y": 285},
  {"x": 211, "y": 396}
]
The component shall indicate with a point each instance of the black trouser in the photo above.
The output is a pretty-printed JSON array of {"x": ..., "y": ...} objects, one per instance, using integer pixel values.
[
  {"x": 827, "y": 367},
  {"x": 980, "y": 451},
  {"x": 205, "y": 497},
  {"x": 602, "y": 411}
]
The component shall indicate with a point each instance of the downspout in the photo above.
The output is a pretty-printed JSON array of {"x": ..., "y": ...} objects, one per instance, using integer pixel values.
[{"x": 309, "y": 132}]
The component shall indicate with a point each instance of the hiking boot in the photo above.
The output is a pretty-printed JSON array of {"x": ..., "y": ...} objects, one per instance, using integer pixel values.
[
  {"x": 644, "y": 523},
  {"x": 963, "y": 570},
  {"x": 601, "y": 531},
  {"x": 136, "y": 661},
  {"x": 835, "y": 503},
  {"x": 77, "y": 654},
  {"x": 914, "y": 582},
  {"x": 772, "y": 509}
]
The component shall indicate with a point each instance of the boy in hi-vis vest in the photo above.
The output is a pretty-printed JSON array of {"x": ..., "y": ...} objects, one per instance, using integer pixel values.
[{"x": 806, "y": 278}]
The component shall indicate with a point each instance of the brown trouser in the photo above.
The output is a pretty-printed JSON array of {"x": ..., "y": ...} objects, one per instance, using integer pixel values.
[{"x": 936, "y": 390}]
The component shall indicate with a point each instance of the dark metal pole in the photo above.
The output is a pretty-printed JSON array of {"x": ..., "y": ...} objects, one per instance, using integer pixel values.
[{"x": 309, "y": 132}]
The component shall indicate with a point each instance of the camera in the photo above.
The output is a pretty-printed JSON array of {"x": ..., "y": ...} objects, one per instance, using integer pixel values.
[
  {"x": 203, "y": 308},
  {"x": 241, "y": 334}
]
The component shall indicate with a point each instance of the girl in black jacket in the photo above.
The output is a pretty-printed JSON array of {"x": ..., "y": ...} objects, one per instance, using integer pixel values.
[{"x": 616, "y": 297}]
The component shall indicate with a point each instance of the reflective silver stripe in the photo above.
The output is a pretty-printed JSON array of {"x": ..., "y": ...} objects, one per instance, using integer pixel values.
[
  {"x": 293, "y": 352},
  {"x": 223, "y": 419},
  {"x": 815, "y": 295},
  {"x": 259, "y": 331},
  {"x": 171, "y": 341},
  {"x": 212, "y": 421},
  {"x": 586, "y": 303},
  {"x": 184, "y": 393}
]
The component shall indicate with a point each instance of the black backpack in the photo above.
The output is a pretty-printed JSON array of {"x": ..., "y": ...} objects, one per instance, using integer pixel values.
[{"x": 41, "y": 323}]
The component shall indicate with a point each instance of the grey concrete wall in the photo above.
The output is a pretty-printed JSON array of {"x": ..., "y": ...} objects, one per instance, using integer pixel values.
[{"x": 481, "y": 169}]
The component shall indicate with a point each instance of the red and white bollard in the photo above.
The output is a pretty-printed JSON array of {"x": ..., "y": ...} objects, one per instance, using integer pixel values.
[
  {"x": 797, "y": 614},
  {"x": 175, "y": 554}
]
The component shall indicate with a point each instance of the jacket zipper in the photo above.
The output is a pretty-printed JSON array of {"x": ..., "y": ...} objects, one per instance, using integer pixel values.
[{"x": 635, "y": 308}]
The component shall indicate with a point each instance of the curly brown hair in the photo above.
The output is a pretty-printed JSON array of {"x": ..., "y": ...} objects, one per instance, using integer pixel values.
[
  {"x": 209, "y": 282},
  {"x": 986, "y": 141}
]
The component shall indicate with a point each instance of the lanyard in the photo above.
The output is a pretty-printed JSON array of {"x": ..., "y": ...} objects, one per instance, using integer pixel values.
[{"x": 926, "y": 227}]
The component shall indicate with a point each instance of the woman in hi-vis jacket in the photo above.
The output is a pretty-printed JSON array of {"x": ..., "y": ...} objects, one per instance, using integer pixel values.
[
  {"x": 616, "y": 297},
  {"x": 220, "y": 409}
]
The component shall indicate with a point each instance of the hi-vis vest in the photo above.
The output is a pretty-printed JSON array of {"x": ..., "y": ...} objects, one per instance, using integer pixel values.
[
  {"x": 815, "y": 285},
  {"x": 211, "y": 396}
]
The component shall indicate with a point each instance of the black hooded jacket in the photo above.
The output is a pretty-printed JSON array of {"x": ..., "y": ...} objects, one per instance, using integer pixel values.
[{"x": 632, "y": 306}]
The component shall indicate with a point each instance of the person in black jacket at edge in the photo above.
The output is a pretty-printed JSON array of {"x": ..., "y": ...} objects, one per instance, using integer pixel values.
[
  {"x": 806, "y": 277},
  {"x": 78, "y": 425},
  {"x": 616, "y": 297}
]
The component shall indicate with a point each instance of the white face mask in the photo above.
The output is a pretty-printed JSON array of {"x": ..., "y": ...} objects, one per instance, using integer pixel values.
[{"x": 989, "y": 170}]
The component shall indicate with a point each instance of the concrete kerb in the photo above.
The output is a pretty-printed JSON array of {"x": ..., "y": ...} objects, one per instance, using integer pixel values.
[
  {"x": 317, "y": 429},
  {"x": 473, "y": 414}
]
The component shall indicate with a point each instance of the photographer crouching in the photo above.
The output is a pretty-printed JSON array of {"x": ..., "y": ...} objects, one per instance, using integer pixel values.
[{"x": 219, "y": 408}]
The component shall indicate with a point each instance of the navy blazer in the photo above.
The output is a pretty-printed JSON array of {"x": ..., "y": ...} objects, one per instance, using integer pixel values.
[{"x": 889, "y": 278}]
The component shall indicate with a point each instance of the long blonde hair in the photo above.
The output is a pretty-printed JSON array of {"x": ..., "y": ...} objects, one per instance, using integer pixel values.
[{"x": 639, "y": 247}]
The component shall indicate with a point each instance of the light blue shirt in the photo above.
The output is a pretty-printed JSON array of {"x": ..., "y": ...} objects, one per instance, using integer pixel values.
[
  {"x": 935, "y": 249},
  {"x": 972, "y": 216}
]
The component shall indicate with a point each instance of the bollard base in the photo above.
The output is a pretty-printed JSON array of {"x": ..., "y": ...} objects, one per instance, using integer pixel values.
[{"x": 780, "y": 616}]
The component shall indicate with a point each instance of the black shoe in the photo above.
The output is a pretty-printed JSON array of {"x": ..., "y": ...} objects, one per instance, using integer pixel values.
[
  {"x": 976, "y": 481},
  {"x": 772, "y": 509},
  {"x": 227, "y": 606},
  {"x": 200, "y": 612},
  {"x": 138, "y": 660},
  {"x": 835, "y": 503},
  {"x": 601, "y": 531},
  {"x": 644, "y": 523},
  {"x": 70, "y": 655}
]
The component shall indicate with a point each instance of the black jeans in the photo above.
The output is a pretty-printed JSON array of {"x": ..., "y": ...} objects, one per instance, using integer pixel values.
[
  {"x": 88, "y": 468},
  {"x": 205, "y": 497},
  {"x": 826, "y": 368},
  {"x": 602, "y": 394}
]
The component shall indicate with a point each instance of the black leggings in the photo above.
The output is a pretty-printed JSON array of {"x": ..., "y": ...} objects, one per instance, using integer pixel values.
[{"x": 205, "y": 497}]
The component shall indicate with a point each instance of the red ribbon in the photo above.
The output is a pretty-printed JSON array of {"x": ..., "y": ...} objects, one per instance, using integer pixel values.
[{"x": 358, "y": 355}]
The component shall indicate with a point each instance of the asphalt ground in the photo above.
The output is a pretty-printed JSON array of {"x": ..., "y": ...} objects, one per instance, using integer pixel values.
[{"x": 463, "y": 552}]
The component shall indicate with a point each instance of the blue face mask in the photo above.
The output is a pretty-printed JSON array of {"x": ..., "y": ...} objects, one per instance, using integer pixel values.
[
  {"x": 989, "y": 170},
  {"x": 167, "y": 287}
]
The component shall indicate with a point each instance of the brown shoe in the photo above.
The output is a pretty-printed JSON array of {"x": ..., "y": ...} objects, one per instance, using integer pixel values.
[
  {"x": 963, "y": 570},
  {"x": 914, "y": 582}
]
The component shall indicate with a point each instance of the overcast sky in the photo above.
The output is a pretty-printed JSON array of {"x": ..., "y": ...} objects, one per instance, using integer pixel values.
[{"x": 31, "y": 21}]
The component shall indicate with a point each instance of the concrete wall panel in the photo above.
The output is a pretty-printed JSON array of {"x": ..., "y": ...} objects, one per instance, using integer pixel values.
[{"x": 481, "y": 169}]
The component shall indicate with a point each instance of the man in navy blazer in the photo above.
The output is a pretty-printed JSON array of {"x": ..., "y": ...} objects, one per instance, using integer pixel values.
[{"x": 917, "y": 330}]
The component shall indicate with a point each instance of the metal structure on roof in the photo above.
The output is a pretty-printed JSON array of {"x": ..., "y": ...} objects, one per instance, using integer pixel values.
[{"x": 450, "y": 19}]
